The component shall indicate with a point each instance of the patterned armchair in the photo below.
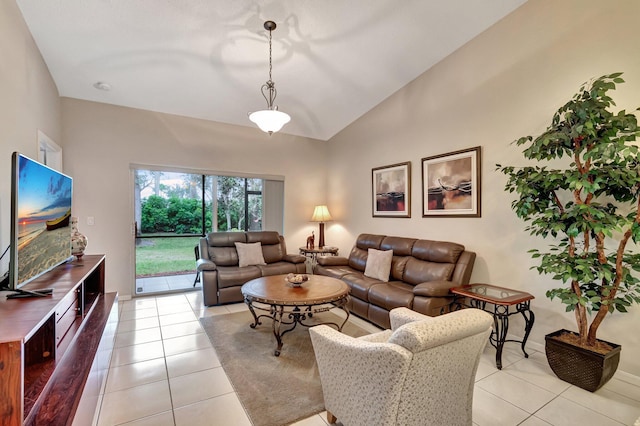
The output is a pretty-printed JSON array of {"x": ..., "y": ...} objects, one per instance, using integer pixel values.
[{"x": 421, "y": 372}]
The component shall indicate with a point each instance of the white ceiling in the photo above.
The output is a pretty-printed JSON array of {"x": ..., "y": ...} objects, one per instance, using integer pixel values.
[{"x": 333, "y": 60}]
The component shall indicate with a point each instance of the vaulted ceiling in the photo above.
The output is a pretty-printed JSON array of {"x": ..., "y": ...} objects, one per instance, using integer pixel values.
[{"x": 333, "y": 60}]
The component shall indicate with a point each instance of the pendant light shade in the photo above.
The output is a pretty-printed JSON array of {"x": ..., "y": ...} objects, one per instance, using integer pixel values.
[{"x": 269, "y": 120}]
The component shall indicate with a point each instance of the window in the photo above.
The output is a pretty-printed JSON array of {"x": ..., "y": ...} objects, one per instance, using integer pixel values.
[{"x": 172, "y": 203}]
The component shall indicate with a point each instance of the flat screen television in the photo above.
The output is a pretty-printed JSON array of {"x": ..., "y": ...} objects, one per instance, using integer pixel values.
[{"x": 40, "y": 217}]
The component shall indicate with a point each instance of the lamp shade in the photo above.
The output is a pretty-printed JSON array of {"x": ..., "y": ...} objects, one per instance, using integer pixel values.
[
  {"x": 269, "y": 120},
  {"x": 321, "y": 214}
]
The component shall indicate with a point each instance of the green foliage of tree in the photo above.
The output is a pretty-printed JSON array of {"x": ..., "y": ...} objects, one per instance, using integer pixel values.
[
  {"x": 590, "y": 208},
  {"x": 154, "y": 215}
]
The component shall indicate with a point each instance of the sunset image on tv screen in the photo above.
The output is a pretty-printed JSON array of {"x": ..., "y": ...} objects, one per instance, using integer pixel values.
[{"x": 43, "y": 215}]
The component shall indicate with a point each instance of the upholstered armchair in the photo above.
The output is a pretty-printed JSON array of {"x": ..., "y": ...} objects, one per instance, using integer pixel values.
[{"x": 421, "y": 372}]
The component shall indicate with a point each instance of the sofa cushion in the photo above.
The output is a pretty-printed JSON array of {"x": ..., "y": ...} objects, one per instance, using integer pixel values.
[
  {"x": 358, "y": 258},
  {"x": 334, "y": 271},
  {"x": 273, "y": 252},
  {"x": 378, "y": 264},
  {"x": 277, "y": 268},
  {"x": 221, "y": 247},
  {"x": 358, "y": 255},
  {"x": 437, "y": 251},
  {"x": 419, "y": 271},
  {"x": 263, "y": 237},
  {"x": 401, "y": 246},
  {"x": 397, "y": 267},
  {"x": 229, "y": 276},
  {"x": 391, "y": 295},
  {"x": 224, "y": 256},
  {"x": 359, "y": 285},
  {"x": 249, "y": 254}
]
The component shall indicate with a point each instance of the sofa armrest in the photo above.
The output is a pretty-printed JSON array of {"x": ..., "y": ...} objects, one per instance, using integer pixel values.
[
  {"x": 294, "y": 258},
  {"x": 332, "y": 261},
  {"x": 433, "y": 289},
  {"x": 205, "y": 265}
]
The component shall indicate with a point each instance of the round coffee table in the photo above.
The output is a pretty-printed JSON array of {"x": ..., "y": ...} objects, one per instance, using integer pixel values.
[{"x": 291, "y": 305}]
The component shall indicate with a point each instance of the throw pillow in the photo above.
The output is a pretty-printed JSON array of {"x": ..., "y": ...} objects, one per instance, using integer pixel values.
[
  {"x": 378, "y": 264},
  {"x": 249, "y": 254}
]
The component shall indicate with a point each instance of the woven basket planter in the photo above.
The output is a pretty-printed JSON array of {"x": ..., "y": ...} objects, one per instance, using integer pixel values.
[{"x": 581, "y": 367}]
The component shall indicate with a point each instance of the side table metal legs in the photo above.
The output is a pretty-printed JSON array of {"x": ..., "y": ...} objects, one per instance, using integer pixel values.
[{"x": 501, "y": 316}]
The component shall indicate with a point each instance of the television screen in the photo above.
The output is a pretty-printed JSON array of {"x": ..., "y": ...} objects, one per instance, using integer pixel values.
[{"x": 40, "y": 216}]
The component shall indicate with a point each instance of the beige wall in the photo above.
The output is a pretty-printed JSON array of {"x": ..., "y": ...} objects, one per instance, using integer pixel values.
[
  {"x": 102, "y": 141},
  {"x": 504, "y": 84},
  {"x": 28, "y": 102}
]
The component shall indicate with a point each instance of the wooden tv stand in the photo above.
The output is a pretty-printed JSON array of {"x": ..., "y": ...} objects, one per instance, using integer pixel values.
[{"x": 55, "y": 350}]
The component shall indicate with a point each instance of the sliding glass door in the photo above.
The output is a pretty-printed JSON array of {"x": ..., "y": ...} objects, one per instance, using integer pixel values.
[{"x": 173, "y": 210}]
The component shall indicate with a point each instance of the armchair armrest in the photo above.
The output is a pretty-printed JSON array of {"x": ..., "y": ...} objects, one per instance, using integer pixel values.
[
  {"x": 402, "y": 316},
  {"x": 433, "y": 289},
  {"x": 294, "y": 258},
  {"x": 205, "y": 265},
  {"x": 332, "y": 261},
  {"x": 376, "y": 367}
]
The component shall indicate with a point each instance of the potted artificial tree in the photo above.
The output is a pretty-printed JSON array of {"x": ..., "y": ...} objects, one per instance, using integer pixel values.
[{"x": 590, "y": 209}]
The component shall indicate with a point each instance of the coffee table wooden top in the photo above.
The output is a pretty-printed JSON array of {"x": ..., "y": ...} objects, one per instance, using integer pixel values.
[{"x": 275, "y": 290}]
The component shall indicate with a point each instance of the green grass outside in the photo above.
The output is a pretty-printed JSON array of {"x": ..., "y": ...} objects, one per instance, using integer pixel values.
[{"x": 165, "y": 256}]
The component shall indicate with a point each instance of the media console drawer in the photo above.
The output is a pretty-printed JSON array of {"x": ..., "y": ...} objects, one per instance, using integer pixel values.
[{"x": 70, "y": 300}]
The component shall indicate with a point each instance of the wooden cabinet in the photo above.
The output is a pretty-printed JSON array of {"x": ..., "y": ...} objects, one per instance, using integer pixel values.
[{"x": 49, "y": 346}]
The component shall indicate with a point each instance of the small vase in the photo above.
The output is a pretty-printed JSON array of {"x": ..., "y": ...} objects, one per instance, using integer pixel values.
[{"x": 78, "y": 240}]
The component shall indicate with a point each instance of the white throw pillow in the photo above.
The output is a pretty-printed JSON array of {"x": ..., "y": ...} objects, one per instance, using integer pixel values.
[
  {"x": 379, "y": 264},
  {"x": 250, "y": 254}
]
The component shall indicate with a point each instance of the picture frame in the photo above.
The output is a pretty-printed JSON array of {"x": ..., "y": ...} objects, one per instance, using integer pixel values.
[
  {"x": 451, "y": 184},
  {"x": 391, "y": 190}
]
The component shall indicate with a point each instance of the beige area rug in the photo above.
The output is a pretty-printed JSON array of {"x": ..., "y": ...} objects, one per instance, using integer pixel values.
[{"x": 275, "y": 391}]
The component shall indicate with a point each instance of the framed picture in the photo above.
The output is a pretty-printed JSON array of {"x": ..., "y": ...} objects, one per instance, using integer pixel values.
[
  {"x": 451, "y": 184},
  {"x": 391, "y": 190}
]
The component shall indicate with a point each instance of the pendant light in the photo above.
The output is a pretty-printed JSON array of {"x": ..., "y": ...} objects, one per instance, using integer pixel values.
[{"x": 269, "y": 120}]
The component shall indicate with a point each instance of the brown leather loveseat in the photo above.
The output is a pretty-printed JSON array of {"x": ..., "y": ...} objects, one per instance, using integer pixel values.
[
  {"x": 219, "y": 269},
  {"x": 420, "y": 276}
]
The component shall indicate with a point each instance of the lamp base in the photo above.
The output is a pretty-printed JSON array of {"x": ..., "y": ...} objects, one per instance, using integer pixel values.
[{"x": 321, "y": 239}]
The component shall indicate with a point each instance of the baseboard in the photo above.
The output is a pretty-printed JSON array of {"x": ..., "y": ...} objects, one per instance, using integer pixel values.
[{"x": 620, "y": 375}]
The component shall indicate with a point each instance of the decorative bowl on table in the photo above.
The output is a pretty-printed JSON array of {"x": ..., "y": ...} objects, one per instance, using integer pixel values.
[{"x": 296, "y": 280}]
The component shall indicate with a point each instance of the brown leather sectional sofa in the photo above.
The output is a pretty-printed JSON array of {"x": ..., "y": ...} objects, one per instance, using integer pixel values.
[
  {"x": 222, "y": 277},
  {"x": 422, "y": 272}
]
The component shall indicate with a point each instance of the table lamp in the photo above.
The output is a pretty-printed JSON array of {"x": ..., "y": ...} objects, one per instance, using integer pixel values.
[{"x": 321, "y": 214}]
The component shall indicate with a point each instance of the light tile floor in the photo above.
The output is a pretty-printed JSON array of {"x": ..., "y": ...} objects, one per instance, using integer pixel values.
[
  {"x": 166, "y": 283},
  {"x": 164, "y": 371}
]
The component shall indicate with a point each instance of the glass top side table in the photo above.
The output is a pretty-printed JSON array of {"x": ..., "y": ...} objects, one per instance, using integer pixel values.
[{"x": 501, "y": 302}]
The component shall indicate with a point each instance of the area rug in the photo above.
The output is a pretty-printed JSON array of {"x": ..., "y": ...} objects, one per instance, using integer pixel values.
[{"x": 275, "y": 391}]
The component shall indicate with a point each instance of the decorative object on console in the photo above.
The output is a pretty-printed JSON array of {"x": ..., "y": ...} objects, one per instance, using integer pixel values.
[
  {"x": 321, "y": 214},
  {"x": 391, "y": 190},
  {"x": 588, "y": 203},
  {"x": 451, "y": 184},
  {"x": 78, "y": 240},
  {"x": 311, "y": 241},
  {"x": 269, "y": 120}
]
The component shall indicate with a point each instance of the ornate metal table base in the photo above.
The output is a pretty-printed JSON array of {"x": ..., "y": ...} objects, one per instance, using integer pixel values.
[
  {"x": 501, "y": 299},
  {"x": 292, "y": 315},
  {"x": 501, "y": 316}
]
